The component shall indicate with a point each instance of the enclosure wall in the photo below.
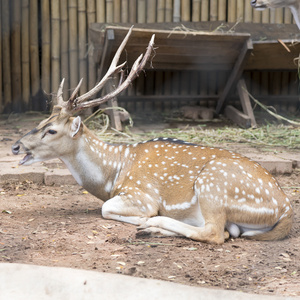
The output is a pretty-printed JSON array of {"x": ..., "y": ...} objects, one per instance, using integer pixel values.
[{"x": 43, "y": 41}]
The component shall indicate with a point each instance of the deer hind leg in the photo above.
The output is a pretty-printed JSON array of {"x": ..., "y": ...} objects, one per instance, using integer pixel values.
[{"x": 210, "y": 233}]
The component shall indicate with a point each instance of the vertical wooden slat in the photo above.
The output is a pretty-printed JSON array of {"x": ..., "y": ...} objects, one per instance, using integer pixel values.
[
  {"x": 73, "y": 41},
  {"x": 287, "y": 16},
  {"x": 222, "y": 10},
  {"x": 64, "y": 42},
  {"x": 6, "y": 52},
  {"x": 15, "y": 55},
  {"x": 82, "y": 45},
  {"x": 265, "y": 16},
  {"x": 100, "y": 11},
  {"x": 169, "y": 11},
  {"x": 25, "y": 53},
  {"x": 124, "y": 11},
  {"x": 196, "y": 10},
  {"x": 232, "y": 10},
  {"x": 239, "y": 10},
  {"x": 204, "y": 10},
  {"x": 176, "y": 11},
  {"x": 150, "y": 11},
  {"x": 34, "y": 48},
  {"x": 256, "y": 16},
  {"x": 279, "y": 16},
  {"x": 117, "y": 11},
  {"x": 132, "y": 11},
  {"x": 185, "y": 10},
  {"x": 1, "y": 98},
  {"x": 213, "y": 10},
  {"x": 46, "y": 41},
  {"x": 109, "y": 11},
  {"x": 161, "y": 10},
  {"x": 55, "y": 45},
  {"x": 91, "y": 18},
  {"x": 248, "y": 12},
  {"x": 141, "y": 11},
  {"x": 272, "y": 16}
]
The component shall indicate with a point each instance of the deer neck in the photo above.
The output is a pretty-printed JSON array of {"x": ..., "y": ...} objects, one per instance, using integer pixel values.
[{"x": 94, "y": 164}]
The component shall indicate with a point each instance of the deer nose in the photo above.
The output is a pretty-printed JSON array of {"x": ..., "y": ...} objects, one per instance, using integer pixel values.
[{"x": 15, "y": 148}]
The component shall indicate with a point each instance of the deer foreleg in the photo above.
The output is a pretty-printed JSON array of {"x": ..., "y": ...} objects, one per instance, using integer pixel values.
[{"x": 123, "y": 209}]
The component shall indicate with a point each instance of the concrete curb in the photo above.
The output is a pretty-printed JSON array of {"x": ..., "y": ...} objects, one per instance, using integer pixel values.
[
  {"x": 20, "y": 282},
  {"x": 54, "y": 172}
]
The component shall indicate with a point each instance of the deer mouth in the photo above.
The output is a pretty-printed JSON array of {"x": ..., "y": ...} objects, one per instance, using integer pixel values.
[
  {"x": 27, "y": 158},
  {"x": 18, "y": 148}
]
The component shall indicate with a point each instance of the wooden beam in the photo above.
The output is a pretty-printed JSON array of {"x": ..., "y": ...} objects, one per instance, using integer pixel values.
[
  {"x": 235, "y": 74},
  {"x": 245, "y": 101},
  {"x": 237, "y": 117}
]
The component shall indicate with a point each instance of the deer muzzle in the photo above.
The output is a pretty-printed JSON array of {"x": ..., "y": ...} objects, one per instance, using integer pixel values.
[{"x": 18, "y": 148}]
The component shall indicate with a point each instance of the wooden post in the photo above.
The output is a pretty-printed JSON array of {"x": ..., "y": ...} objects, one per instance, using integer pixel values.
[
  {"x": 204, "y": 10},
  {"x": 125, "y": 11},
  {"x": 151, "y": 11},
  {"x": 91, "y": 18},
  {"x": 55, "y": 45},
  {"x": 6, "y": 53},
  {"x": 245, "y": 101},
  {"x": 169, "y": 10},
  {"x": 64, "y": 42},
  {"x": 100, "y": 11},
  {"x": 213, "y": 10},
  {"x": 15, "y": 54},
  {"x": 141, "y": 13},
  {"x": 176, "y": 11},
  {"x": 196, "y": 10},
  {"x": 117, "y": 11},
  {"x": 160, "y": 11},
  {"x": 232, "y": 10},
  {"x": 73, "y": 41},
  {"x": 132, "y": 11},
  {"x": 34, "y": 48},
  {"x": 25, "y": 54},
  {"x": 185, "y": 10},
  {"x": 46, "y": 41},
  {"x": 82, "y": 45},
  {"x": 222, "y": 10},
  {"x": 109, "y": 11}
]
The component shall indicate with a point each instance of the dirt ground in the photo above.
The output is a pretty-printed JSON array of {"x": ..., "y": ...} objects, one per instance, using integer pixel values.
[{"x": 62, "y": 226}]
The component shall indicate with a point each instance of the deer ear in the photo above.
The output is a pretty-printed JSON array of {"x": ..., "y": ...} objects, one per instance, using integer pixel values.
[{"x": 76, "y": 124}]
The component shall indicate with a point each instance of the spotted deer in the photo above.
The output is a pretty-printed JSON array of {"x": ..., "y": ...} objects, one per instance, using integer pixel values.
[
  {"x": 294, "y": 5},
  {"x": 165, "y": 186}
]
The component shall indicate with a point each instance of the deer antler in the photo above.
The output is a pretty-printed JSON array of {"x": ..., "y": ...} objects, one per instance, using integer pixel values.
[{"x": 81, "y": 102}]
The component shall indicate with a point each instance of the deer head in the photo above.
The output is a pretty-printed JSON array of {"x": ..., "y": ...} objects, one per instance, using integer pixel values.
[{"x": 52, "y": 137}]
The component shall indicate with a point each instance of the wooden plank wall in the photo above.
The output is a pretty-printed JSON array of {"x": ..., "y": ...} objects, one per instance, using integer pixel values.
[{"x": 43, "y": 41}]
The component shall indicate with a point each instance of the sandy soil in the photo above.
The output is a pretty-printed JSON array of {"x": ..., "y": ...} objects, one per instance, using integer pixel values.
[{"x": 62, "y": 226}]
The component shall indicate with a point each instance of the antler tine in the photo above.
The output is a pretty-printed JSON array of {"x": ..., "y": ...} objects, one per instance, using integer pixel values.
[
  {"x": 76, "y": 90},
  {"x": 113, "y": 68},
  {"x": 60, "y": 99},
  {"x": 138, "y": 66}
]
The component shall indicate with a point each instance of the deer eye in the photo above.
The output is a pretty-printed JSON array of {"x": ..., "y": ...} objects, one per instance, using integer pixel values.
[{"x": 51, "y": 131}]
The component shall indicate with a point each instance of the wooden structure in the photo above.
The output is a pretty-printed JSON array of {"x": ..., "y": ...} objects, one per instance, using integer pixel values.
[
  {"x": 179, "y": 51},
  {"x": 43, "y": 41},
  {"x": 195, "y": 47}
]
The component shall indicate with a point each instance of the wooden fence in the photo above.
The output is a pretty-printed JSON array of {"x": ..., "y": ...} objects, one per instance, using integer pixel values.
[{"x": 43, "y": 41}]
